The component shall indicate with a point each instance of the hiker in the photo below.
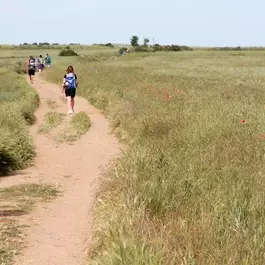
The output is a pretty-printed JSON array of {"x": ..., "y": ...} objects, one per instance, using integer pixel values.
[
  {"x": 69, "y": 88},
  {"x": 40, "y": 63},
  {"x": 31, "y": 68},
  {"x": 48, "y": 60}
]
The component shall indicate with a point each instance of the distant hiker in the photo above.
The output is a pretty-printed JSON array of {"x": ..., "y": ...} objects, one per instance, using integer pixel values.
[
  {"x": 40, "y": 63},
  {"x": 31, "y": 68},
  {"x": 69, "y": 88},
  {"x": 48, "y": 60}
]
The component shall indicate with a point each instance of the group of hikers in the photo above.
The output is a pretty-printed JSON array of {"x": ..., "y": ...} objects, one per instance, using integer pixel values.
[
  {"x": 39, "y": 64},
  {"x": 69, "y": 80}
]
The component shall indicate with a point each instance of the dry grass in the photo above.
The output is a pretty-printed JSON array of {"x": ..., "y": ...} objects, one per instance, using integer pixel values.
[
  {"x": 52, "y": 104},
  {"x": 78, "y": 126},
  {"x": 51, "y": 121},
  {"x": 14, "y": 202},
  {"x": 18, "y": 102},
  {"x": 190, "y": 189}
]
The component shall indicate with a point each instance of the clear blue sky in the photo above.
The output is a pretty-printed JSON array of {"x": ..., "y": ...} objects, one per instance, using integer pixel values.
[{"x": 185, "y": 22}]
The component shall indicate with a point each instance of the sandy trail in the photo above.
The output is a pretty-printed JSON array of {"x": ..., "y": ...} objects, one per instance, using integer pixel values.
[{"x": 60, "y": 231}]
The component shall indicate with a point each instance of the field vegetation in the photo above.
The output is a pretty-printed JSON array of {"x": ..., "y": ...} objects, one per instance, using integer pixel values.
[
  {"x": 190, "y": 187},
  {"x": 17, "y": 105}
]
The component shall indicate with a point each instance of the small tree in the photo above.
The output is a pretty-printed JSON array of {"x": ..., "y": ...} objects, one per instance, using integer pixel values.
[
  {"x": 146, "y": 41},
  {"x": 134, "y": 41}
]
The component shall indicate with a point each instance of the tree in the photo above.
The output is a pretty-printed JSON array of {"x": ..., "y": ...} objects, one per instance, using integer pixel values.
[
  {"x": 134, "y": 41},
  {"x": 146, "y": 41}
]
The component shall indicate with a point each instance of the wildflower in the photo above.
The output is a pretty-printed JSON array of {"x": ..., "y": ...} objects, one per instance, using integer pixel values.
[
  {"x": 167, "y": 96},
  {"x": 262, "y": 136}
]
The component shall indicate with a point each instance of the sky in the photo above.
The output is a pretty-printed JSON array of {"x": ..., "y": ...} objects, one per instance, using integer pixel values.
[{"x": 181, "y": 22}]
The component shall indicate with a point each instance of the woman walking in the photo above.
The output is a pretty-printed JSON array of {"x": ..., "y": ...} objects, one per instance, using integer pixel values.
[
  {"x": 40, "y": 63},
  {"x": 31, "y": 68},
  {"x": 69, "y": 88}
]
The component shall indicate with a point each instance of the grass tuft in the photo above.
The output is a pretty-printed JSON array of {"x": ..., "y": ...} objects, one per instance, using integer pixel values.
[
  {"x": 51, "y": 121},
  {"x": 79, "y": 125},
  {"x": 52, "y": 104}
]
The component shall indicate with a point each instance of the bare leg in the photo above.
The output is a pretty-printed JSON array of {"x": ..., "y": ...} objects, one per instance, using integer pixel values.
[
  {"x": 72, "y": 103},
  {"x": 31, "y": 79},
  {"x": 69, "y": 104}
]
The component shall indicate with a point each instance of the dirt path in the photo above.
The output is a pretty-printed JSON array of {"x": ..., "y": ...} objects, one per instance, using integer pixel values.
[{"x": 60, "y": 231}]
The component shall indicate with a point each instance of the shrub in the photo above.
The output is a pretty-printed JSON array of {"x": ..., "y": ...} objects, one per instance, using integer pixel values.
[
  {"x": 16, "y": 148},
  {"x": 173, "y": 48},
  {"x": 185, "y": 48},
  {"x": 17, "y": 105},
  {"x": 109, "y": 45},
  {"x": 157, "y": 47},
  {"x": 142, "y": 49},
  {"x": 67, "y": 52}
]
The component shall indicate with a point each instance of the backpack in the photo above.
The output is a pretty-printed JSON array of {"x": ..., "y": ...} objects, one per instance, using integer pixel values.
[
  {"x": 70, "y": 78},
  {"x": 32, "y": 64},
  {"x": 48, "y": 59}
]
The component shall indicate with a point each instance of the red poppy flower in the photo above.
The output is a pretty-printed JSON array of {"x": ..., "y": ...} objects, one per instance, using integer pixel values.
[
  {"x": 167, "y": 96},
  {"x": 262, "y": 136},
  {"x": 243, "y": 121}
]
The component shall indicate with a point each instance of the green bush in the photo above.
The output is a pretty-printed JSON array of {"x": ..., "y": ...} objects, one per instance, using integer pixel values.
[
  {"x": 109, "y": 45},
  {"x": 67, "y": 52},
  {"x": 17, "y": 105}
]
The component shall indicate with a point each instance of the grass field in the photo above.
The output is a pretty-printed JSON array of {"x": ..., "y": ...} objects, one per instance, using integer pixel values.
[{"x": 190, "y": 188}]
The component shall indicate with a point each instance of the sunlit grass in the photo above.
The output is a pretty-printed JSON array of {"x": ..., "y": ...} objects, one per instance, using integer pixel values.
[
  {"x": 78, "y": 126},
  {"x": 190, "y": 186}
]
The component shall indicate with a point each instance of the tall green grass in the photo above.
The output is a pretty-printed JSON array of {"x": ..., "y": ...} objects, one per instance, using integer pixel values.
[
  {"x": 17, "y": 105},
  {"x": 190, "y": 187}
]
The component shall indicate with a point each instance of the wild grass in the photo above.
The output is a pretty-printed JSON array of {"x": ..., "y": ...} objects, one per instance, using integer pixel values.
[
  {"x": 190, "y": 188},
  {"x": 14, "y": 202},
  {"x": 51, "y": 120},
  {"x": 78, "y": 126},
  {"x": 17, "y": 105},
  {"x": 52, "y": 104}
]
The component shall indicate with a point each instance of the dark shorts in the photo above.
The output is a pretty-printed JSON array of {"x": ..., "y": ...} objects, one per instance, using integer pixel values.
[
  {"x": 31, "y": 72},
  {"x": 70, "y": 92}
]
